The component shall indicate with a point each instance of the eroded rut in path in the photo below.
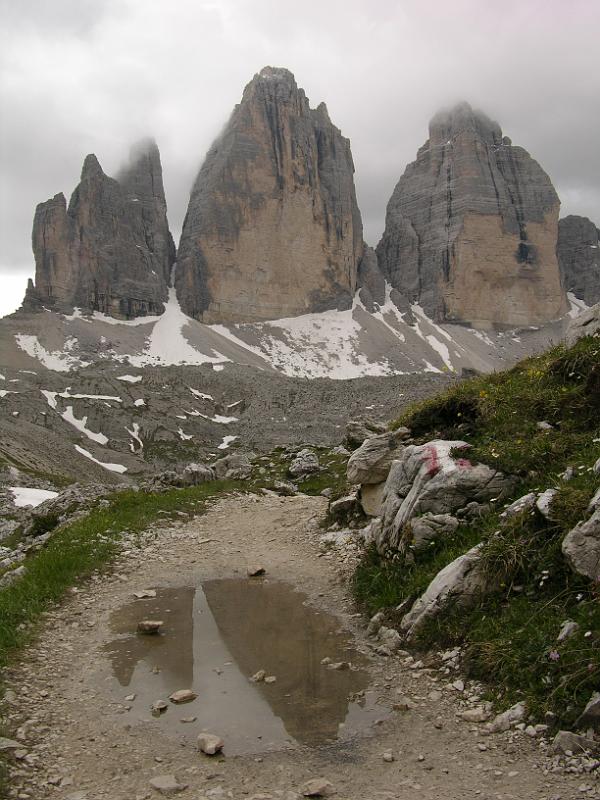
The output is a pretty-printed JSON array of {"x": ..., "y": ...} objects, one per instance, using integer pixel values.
[{"x": 83, "y": 696}]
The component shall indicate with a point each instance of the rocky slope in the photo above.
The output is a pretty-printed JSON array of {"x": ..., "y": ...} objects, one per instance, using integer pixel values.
[
  {"x": 110, "y": 250},
  {"x": 272, "y": 228},
  {"x": 578, "y": 253},
  {"x": 471, "y": 228}
]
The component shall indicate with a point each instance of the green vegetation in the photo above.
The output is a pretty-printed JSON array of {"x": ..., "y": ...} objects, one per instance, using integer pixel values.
[{"x": 510, "y": 637}]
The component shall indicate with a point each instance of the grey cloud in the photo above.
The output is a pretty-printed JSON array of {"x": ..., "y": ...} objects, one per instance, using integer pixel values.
[{"x": 78, "y": 77}]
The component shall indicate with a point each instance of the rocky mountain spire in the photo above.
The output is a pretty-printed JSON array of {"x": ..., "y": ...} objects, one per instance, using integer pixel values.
[
  {"x": 578, "y": 253},
  {"x": 471, "y": 227},
  {"x": 110, "y": 250},
  {"x": 272, "y": 228}
]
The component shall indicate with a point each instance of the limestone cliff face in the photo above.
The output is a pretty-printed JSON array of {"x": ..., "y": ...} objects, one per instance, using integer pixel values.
[
  {"x": 272, "y": 228},
  {"x": 471, "y": 228},
  {"x": 110, "y": 250},
  {"x": 578, "y": 253}
]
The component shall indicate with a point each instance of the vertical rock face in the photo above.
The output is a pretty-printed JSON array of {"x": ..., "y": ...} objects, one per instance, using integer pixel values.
[
  {"x": 110, "y": 250},
  {"x": 578, "y": 253},
  {"x": 273, "y": 227},
  {"x": 471, "y": 228}
]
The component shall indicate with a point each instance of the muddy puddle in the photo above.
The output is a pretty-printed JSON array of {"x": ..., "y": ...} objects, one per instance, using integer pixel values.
[{"x": 214, "y": 638}]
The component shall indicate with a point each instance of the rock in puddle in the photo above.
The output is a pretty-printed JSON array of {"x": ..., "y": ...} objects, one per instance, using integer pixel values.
[
  {"x": 183, "y": 696},
  {"x": 318, "y": 787},
  {"x": 167, "y": 784},
  {"x": 141, "y": 593},
  {"x": 256, "y": 571},
  {"x": 149, "y": 627},
  {"x": 259, "y": 676},
  {"x": 158, "y": 707},
  {"x": 210, "y": 743}
]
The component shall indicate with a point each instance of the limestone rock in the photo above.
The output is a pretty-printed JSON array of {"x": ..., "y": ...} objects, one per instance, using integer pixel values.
[
  {"x": 167, "y": 784},
  {"x": 342, "y": 506},
  {"x": 428, "y": 479},
  {"x": 272, "y": 228},
  {"x": 149, "y": 626},
  {"x": 371, "y": 497},
  {"x": 210, "y": 744},
  {"x": 357, "y": 430},
  {"x": 110, "y": 250},
  {"x": 578, "y": 252},
  {"x": 318, "y": 787},
  {"x": 305, "y": 463},
  {"x": 429, "y": 527},
  {"x": 371, "y": 462},
  {"x": 590, "y": 717},
  {"x": 585, "y": 324},
  {"x": 183, "y": 696},
  {"x": 581, "y": 548},
  {"x": 236, "y": 466},
  {"x": 567, "y": 629},
  {"x": 566, "y": 742},
  {"x": 507, "y": 719},
  {"x": 471, "y": 228},
  {"x": 524, "y": 503},
  {"x": 461, "y": 582}
]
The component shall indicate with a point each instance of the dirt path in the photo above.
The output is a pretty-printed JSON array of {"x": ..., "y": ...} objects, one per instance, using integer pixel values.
[{"x": 83, "y": 744}]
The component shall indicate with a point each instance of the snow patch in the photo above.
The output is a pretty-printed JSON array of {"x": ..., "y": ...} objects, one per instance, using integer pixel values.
[
  {"x": 167, "y": 344},
  {"x": 57, "y": 360},
  {"x": 139, "y": 402},
  {"x": 110, "y": 467},
  {"x": 28, "y": 496},
  {"x": 227, "y": 440},
  {"x": 135, "y": 433},
  {"x": 220, "y": 419},
  {"x": 201, "y": 395},
  {"x": 183, "y": 436},
  {"x": 81, "y": 425},
  {"x": 130, "y": 378}
]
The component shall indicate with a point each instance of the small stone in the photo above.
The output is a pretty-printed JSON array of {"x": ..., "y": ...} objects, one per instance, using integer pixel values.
[
  {"x": 388, "y": 756},
  {"x": 183, "y": 696},
  {"x": 259, "y": 676},
  {"x": 256, "y": 571},
  {"x": 141, "y": 593},
  {"x": 167, "y": 784},
  {"x": 188, "y": 719},
  {"x": 9, "y": 744},
  {"x": 458, "y": 685},
  {"x": 475, "y": 715},
  {"x": 130, "y": 698},
  {"x": 568, "y": 628},
  {"x": 338, "y": 665},
  {"x": 149, "y": 626},
  {"x": 158, "y": 707},
  {"x": 318, "y": 787},
  {"x": 270, "y": 679},
  {"x": 210, "y": 744}
]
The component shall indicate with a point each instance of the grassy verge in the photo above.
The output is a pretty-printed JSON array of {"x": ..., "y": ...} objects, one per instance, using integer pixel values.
[{"x": 510, "y": 637}]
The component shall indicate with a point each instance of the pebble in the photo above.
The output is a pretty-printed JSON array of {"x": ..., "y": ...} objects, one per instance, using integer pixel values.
[
  {"x": 256, "y": 571},
  {"x": 210, "y": 743},
  {"x": 167, "y": 784},
  {"x": 388, "y": 756},
  {"x": 149, "y": 626},
  {"x": 183, "y": 696},
  {"x": 317, "y": 787}
]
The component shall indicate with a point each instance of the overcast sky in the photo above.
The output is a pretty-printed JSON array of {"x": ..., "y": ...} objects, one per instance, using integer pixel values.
[{"x": 80, "y": 76}]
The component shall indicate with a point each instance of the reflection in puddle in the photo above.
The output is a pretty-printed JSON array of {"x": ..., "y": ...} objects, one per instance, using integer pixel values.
[{"x": 214, "y": 638}]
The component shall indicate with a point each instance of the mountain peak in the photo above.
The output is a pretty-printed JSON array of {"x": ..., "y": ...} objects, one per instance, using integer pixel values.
[{"x": 459, "y": 118}]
